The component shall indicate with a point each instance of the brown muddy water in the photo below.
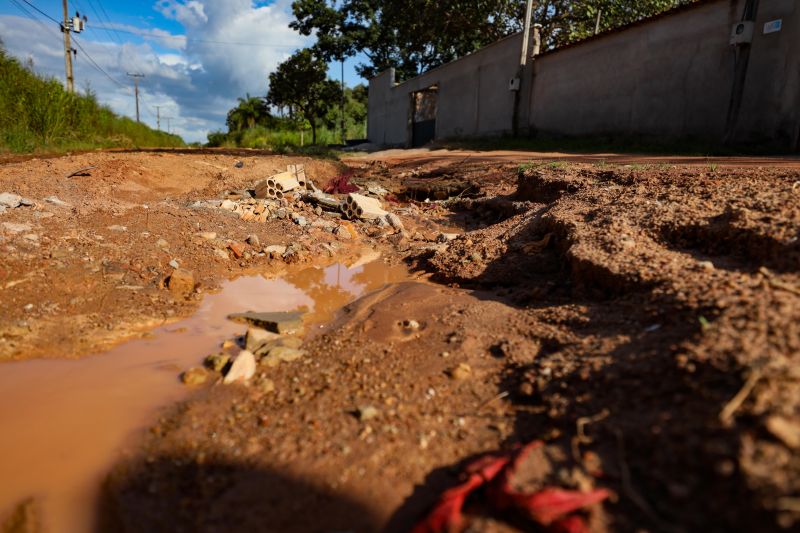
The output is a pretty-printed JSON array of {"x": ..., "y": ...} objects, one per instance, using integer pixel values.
[{"x": 63, "y": 423}]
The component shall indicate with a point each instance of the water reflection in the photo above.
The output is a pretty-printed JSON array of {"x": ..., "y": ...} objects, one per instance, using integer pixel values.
[{"x": 63, "y": 422}]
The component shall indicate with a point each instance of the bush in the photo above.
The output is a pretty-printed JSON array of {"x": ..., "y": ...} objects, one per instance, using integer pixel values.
[{"x": 38, "y": 114}]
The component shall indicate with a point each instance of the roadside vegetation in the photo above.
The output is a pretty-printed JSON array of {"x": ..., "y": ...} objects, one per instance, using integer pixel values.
[
  {"x": 302, "y": 108},
  {"x": 37, "y": 114}
]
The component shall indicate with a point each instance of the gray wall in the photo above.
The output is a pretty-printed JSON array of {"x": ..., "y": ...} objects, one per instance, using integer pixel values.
[
  {"x": 671, "y": 77},
  {"x": 473, "y": 96}
]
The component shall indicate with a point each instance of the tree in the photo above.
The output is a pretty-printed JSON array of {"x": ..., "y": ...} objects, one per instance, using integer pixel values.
[
  {"x": 250, "y": 112},
  {"x": 417, "y": 35},
  {"x": 300, "y": 83}
]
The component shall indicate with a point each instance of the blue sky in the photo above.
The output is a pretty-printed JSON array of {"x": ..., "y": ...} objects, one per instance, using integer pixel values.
[{"x": 198, "y": 56}]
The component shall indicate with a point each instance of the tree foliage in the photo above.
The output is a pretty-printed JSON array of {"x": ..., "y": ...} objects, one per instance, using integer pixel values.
[
  {"x": 250, "y": 112},
  {"x": 301, "y": 84},
  {"x": 417, "y": 35}
]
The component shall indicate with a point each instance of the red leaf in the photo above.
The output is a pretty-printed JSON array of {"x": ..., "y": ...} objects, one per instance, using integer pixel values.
[
  {"x": 341, "y": 184},
  {"x": 570, "y": 524},
  {"x": 550, "y": 504},
  {"x": 446, "y": 514}
]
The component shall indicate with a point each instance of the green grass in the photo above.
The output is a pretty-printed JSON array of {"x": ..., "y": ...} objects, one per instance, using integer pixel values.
[
  {"x": 283, "y": 140},
  {"x": 38, "y": 115}
]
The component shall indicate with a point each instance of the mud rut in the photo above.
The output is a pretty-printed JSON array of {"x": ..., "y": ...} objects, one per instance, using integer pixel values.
[{"x": 643, "y": 320}]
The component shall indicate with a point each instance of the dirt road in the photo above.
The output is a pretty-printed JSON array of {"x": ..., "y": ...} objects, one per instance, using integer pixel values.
[{"x": 641, "y": 321}]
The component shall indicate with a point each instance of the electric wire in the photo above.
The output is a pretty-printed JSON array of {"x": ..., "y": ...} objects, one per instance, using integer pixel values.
[
  {"x": 33, "y": 18},
  {"x": 42, "y": 12},
  {"x": 94, "y": 63},
  {"x": 144, "y": 35},
  {"x": 108, "y": 20}
]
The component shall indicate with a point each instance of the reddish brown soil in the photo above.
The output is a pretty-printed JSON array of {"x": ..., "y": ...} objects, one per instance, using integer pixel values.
[{"x": 641, "y": 321}]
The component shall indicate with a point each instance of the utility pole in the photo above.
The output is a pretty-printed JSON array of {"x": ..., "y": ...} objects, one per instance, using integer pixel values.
[
  {"x": 158, "y": 117},
  {"x": 65, "y": 29},
  {"x": 523, "y": 61},
  {"x": 168, "y": 124},
  {"x": 136, "y": 77},
  {"x": 344, "y": 131}
]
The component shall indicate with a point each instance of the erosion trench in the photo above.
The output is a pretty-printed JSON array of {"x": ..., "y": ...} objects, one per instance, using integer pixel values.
[{"x": 576, "y": 347}]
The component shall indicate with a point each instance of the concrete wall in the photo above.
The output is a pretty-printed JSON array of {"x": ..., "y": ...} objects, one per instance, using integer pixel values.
[
  {"x": 671, "y": 77},
  {"x": 474, "y": 98}
]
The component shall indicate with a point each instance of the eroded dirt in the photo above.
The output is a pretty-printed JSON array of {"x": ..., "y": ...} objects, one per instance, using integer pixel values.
[{"x": 641, "y": 321}]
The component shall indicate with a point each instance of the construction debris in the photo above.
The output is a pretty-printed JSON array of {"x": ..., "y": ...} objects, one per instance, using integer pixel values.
[{"x": 363, "y": 207}]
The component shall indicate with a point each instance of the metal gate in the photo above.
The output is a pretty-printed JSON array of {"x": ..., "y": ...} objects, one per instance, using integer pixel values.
[{"x": 423, "y": 120}]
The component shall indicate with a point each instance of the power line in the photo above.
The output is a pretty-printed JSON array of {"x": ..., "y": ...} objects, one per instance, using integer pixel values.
[
  {"x": 93, "y": 62},
  {"x": 108, "y": 19},
  {"x": 193, "y": 40}
]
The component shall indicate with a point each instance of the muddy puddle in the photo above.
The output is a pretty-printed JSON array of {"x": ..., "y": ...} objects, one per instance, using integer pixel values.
[{"x": 64, "y": 422}]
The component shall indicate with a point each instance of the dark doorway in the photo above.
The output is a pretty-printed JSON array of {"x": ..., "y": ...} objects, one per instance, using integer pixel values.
[{"x": 423, "y": 123}]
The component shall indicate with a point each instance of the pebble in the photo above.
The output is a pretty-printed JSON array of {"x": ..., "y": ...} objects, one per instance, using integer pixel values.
[
  {"x": 446, "y": 237},
  {"x": 257, "y": 337},
  {"x": 12, "y": 227},
  {"x": 413, "y": 325},
  {"x": 706, "y": 265},
  {"x": 242, "y": 369},
  {"x": 161, "y": 243},
  {"x": 268, "y": 386},
  {"x": 252, "y": 240},
  {"x": 207, "y": 235},
  {"x": 194, "y": 376},
  {"x": 280, "y": 322},
  {"x": 238, "y": 164},
  {"x": 367, "y": 412},
  {"x": 10, "y": 200},
  {"x": 343, "y": 233},
  {"x": 55, "y": 200},
  {"x": 120, "y": 229},
  {"x": 395, "y": 221},
  {"x": 174, "y": 263},
  {"x": 237, "y": 248},
  {"x": 275, "y": 250},
  {"x": 217, "y": 361},
  {"x": 282, "y": 354},
  {"x": 230, "y": 205},
  {"x": 462, "y": 372},
  {"x": 787, "y": 431},
  {"x": 181, "y": 282},
  {"x": 299, "y": 220},
  {"x": 222, "y": 254}
]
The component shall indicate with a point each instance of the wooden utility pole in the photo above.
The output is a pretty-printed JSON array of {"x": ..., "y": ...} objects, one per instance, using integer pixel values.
[
  {"x": 158, "y": 117},
  {"x": 65, "y": 29},
  {"x": 136, "y": 77}
]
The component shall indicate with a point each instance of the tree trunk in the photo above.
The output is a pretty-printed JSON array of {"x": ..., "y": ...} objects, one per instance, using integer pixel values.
[{"x": 313, "y": 131}]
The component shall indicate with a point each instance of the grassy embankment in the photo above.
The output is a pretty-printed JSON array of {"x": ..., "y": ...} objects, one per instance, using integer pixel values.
[{"x": 37, "y": 114}]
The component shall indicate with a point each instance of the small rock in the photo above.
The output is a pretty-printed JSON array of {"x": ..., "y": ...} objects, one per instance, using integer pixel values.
[
  {"x": 237, "y": 248},
  {"x": 267, "y": 386},
  {"x": 395, "y": 221},
  {"x": 31, "y": 237},
  {"x": 343, "y": 233},
  {"x": 275, "y": 250},
  {"x": 2, "y": 209},
  {"x": 238, "y": 164},
  {"x": 299, "y": 220},
  {"x": 367, "y": 412},
  {"x": 787, "y": 431},
  {"x": 181, "y": 282},
  {"x": 229, "y": 205},
  {"x": 461, "y": 373},
  {"x": 194, "y": 376},
  {"x": 318, "y": 211},
  {"x": 282, "y": 354},
  {"x": 217, "y": 361},
  {"x": 161, "y": 243},
  {"x": 174, "y": 264},
  {"x": 281, "y": 322},
  {"x": 222, "y": 254},
  {"x": 257, "y": 337},
  {"x": 55, "y": 200},
  {"x": 122, "y": 229},
  {"x": 10, "y": 200},
  {"x": 252, "y": 240},
  {"x": 12, "y": 227},
  {"x": 207, "y": 235},
  {"x": 242, "y": 369},
  {"x": 412, "y": 325},
  {"x": 446, "y": 237},
  {"x": 706, "y": 265}
]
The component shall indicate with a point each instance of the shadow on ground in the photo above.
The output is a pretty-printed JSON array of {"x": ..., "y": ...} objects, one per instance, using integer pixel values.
[{"x": 175, "y": 494}]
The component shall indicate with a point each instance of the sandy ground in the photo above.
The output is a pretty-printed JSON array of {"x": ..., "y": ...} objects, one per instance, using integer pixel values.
[{"x": 641, "y": 319}]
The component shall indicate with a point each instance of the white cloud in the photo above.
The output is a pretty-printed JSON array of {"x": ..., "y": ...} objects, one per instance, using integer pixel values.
[{"x": 196, "y": 82}]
